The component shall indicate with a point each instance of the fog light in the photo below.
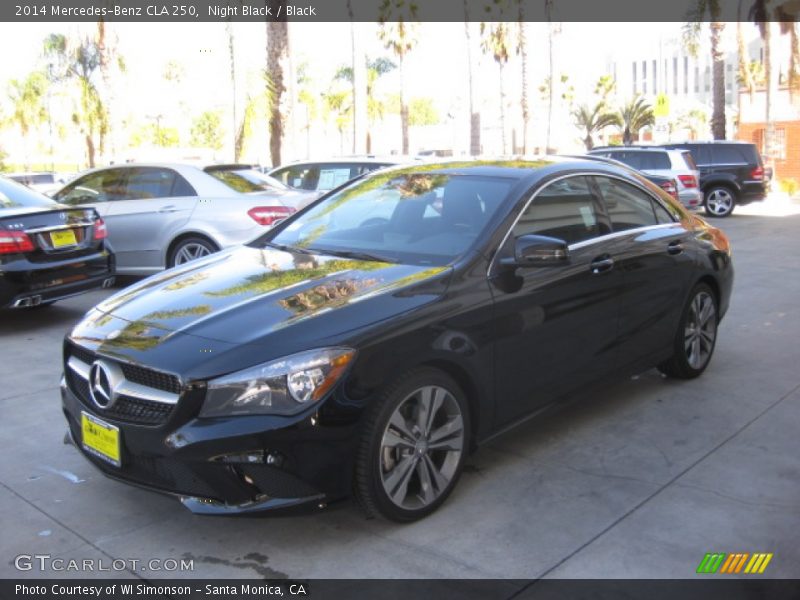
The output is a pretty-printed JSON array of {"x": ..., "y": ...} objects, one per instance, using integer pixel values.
[
  {"x": 274, "y": 458},
  {"x": 242, "y": 457}
]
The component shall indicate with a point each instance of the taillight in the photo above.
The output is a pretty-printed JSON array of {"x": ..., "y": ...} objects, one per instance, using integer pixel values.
[
  {"x": 100, "y": 231},
  {"x": 12, "y": 242},
  {"x": 269, "y": 215},
  {"x": 757, "y": 174},
  {"x": 688, "y": 181},
  {"x": 669, "y": 187}
]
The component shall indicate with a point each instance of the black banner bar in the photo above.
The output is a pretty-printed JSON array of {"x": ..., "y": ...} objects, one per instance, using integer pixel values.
[
  {"x": 597, "y": 11},
  {"x": 702, "y": 588}
]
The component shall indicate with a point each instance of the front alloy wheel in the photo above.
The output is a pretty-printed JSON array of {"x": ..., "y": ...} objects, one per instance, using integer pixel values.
[
  {"x": 415, "y": 445},
  {"x": 720, "y": 202}
]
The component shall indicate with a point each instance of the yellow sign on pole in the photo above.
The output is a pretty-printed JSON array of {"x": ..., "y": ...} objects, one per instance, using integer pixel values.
[{"x": 661, "y": 109}]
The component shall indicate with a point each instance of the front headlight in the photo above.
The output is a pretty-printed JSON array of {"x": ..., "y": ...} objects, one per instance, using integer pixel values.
[{"x": 280, "y": 387}]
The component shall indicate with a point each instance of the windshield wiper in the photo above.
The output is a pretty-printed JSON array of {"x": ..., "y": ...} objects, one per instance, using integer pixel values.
[
  {"x": 356, "y": 255},
  {"x": 287, "y": 248}
]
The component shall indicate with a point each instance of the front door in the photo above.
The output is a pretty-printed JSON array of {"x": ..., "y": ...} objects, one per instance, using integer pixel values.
[{"x": 556, "y": 328}]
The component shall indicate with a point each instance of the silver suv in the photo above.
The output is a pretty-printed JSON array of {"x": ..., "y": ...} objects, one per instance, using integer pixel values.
[{"x": 677, "y": 164}]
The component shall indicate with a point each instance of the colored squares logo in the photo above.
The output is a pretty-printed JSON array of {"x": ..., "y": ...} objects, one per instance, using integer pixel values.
[{"x": 742, "y": 562}]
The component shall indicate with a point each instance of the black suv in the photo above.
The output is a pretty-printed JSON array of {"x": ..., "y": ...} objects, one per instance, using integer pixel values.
[{"x": 731, "y": 173}]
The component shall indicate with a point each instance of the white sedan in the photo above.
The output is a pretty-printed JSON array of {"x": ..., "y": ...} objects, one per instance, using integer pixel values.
[{"x": 161, "y": 215}]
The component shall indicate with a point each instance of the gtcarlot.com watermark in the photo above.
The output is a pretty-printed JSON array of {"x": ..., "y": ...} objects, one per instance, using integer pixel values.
[{"x": 48, "y": 563}]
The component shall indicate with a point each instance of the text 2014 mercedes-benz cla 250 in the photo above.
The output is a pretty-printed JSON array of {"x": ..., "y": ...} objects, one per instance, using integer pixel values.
[{"x": 366, "y": 344}]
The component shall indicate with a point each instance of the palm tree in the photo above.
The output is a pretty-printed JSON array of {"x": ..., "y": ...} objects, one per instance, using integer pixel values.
[
  {"x": 376, "y": 106},
  {"x": 27, "y": 103},
  {"x": 399, "y": 36},
  {"x": 633, "y": 116},
  {"x": 593, "y": 119},
  {"x": 359, "y": 84},
  {"x": 691, "y": 36},
  {"x": 78, "y": 62},
  {"x": 277, "y": 77},
  {"x": 552, "y": 30},
  {"x": 495, "y": 43}
]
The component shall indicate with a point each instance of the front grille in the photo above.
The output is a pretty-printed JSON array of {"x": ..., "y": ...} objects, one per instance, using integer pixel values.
[
  {"x": 127, "y": 409},
  {"x": 150, "y": 378}
]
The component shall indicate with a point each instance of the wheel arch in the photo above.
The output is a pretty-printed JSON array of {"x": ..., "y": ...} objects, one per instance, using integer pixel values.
[{"x": 185, "y": 235}]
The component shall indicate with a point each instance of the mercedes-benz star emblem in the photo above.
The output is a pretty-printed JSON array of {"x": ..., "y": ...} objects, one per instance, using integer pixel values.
[{"x": 101, "y": 386}]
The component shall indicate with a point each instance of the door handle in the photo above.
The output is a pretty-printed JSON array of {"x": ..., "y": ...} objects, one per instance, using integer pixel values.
[
  {"x": 170, "y": 208},
  {"x": 675, "y": 247},
  {"x": 601, "y": 264}
]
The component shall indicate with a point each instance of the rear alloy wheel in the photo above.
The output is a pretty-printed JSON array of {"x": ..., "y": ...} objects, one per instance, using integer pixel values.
[
  {"x": 190, "y": 249},
  {"x": 696, "y": 336},
  {"x": 719, "y": 202},
  {"x": 413, "y": 447}
]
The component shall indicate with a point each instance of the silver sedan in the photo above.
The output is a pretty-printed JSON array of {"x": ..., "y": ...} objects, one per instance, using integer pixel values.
[{"x": 162, "y": 215}]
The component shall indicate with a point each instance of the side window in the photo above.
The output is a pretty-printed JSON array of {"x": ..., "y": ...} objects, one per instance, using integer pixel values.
[
  {"x": 656, "y": 161},
  {"x": 632, "y": 159},
  {"x": 303, "y": 178},
  {"x": 565, "y": 209},
  {"x": 181, "y": 187},
  {"x": 727, "y": 155},
  {"x": 101, "y": 186},
  {"x": 701, "y": 153},
  {"x": 144, "y": 184},
  {"x": 332, "y": 176},
  {"x": 628, "y": 207},
  {"x": 662, "y": 214}
]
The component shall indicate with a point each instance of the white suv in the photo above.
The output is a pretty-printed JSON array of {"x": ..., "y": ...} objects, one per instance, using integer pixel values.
[{"x": 677, "y": 164}]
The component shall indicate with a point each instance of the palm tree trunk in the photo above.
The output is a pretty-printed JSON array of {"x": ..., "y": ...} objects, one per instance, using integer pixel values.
[
  {"x": 359, "y": 64},
  {"x": 235, "y": 124},
  {"x": 90, "y": 149},
  {"x": 718, "y": 80},
  {"x": 277, "y": 56},
  {"x": 105, "y": 77},
  {"x": 474, "y": 119},
  {"x": 550, "y": 90},
  {"x": 522, "y": 46},
  {"x": 772, "y": 87},
  {"x": 403, "y": 108},
  {"x": 502, "y": 111}
]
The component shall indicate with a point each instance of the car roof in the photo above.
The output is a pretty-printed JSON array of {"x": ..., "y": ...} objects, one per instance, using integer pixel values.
[
  {"x": 630, "y": 148},
  {"x": 716, "y": 142}
]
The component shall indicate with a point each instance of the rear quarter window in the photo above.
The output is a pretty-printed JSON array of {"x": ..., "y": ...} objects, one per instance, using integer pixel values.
[
  {"x": 655, "y": 161},
  {"x": 728, "y": 155},
  {"x": 689, "y": 160}
]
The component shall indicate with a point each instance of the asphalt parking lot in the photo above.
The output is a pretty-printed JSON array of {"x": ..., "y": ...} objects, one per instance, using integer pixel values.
[{"x": 639, "y": 479}]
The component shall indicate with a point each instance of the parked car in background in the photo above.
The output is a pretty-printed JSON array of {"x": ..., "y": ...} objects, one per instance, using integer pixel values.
[
  {"x": 675, "y": 164},
  {"x": 668, "y": 184},
  {"x": 48, "y": 251},
  {"x": 162, "y": 215},
  {"x": 44, "y": 182},
  {"x": 322, "y": 176},
  {"x": 731, "y": 173},
  {"x": 341, "y": 354},
  {"x": 245, "y": 178}
]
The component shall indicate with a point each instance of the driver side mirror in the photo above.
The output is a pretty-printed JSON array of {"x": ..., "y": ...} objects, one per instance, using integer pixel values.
[{"x": 538, "y": 251}]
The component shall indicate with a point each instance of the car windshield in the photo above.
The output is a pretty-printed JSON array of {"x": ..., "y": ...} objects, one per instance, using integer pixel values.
[
  {"x": 16, "y": 195},
  {"x": 408, "y": 217},
  {"x": 247, "y": 181}
]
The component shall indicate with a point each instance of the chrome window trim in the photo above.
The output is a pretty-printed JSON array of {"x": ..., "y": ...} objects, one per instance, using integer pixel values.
[
  {"x": 588, "y": 242},
  {"x": 59, "y": 227}
]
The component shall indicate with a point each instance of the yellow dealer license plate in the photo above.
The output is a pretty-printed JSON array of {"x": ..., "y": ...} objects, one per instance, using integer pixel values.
[
  {"x": 100, "y": 438},
  {"x": 63, "y": 238}
]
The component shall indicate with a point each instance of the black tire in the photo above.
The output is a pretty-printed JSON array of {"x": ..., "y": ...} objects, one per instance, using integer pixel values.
[
  {"x": 719, "y": 201},
  {"x": 186, "y": 244},
  {"x": 373, "y": 455},
  {"x": 683, "y": 364}
]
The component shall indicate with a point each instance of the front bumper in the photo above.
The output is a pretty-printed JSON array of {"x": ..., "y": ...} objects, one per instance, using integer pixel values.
[{"x": 311, "y": 465}]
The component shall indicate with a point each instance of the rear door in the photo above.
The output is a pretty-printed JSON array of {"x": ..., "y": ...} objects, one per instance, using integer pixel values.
[
  {"x": 156, "y": 203},
  {"x": 653, "y": 254}
]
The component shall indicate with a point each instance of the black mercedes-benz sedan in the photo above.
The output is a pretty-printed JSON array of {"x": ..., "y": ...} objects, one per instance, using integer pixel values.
[
  {"x": 48, "y": 251},
  {"x": 366, "y": 344}
]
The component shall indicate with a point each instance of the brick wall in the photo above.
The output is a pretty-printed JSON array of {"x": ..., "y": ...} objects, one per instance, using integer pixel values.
[{"x": 788, "y": 165}]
